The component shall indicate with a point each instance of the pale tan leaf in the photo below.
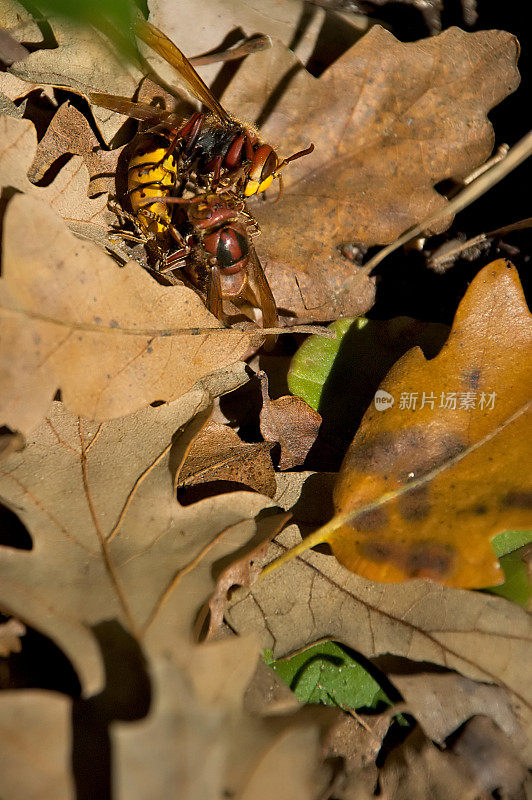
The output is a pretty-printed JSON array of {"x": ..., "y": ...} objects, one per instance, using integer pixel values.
[
  {"x": 35, "y": 746},
  {"x": 70, "y": 133},
  {"x": 112, "y": 339},
  {"x": 132, "y": 553}
]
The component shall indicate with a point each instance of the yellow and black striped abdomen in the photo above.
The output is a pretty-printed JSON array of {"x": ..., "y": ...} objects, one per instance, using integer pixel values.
[{"x": 151, "y": 174}]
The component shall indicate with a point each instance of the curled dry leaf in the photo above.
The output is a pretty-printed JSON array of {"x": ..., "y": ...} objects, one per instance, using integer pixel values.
[
  {"x": 19, "y": 23},
  {"x": 417, "y": 770},
  {"x": 10, "y": 633},
  {"x": 67, "y": 194},
  {"x": 290, "y": 421},
  {"x": 113, "y": 340},
  {"x": 389, "y": 121},
  {"x": 70, "y": 133},
  {"x": 218, "y": 454},
  {"x": 465, "y": 429},
  {"x": 489, "y": 756},
  {"x": 442, "y": 702}
]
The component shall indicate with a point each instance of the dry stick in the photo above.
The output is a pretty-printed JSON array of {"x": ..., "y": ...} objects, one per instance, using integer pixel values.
[
  {"x": 323, "y": 533},
  {"x": 249, "y": 46},
  {"x": 435, "y": 260},
  {"x": 521, "y": 151},
  {"x": 316, "y": 330}
]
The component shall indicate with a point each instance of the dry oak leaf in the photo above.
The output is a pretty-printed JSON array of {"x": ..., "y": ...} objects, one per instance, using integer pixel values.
[
  {"x": 35, "y": 745},
  {"x": 121, "y": 551},
  {"x": 464, "y": 459},
  {"x": 121, "y": 547},
  {"x": 113, "y": 340},
  {"x": 67, "y": 194},
  {"x": 314, "y": 597},
  {"x": 218, "y": 454},
  {"x": 389, "y": 121},
  {"x": 84, "y": 61}
]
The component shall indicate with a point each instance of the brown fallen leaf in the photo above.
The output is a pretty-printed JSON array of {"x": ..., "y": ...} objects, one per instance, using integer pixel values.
[
  {"x": 138, "y": 565},
  {"x": 218, "y": 454},
  {"x": 201, "y": 27},
  {"x": 19, "y": 23},
  {"x": 112, "y": 339},
  {"x": 70, "y": 133},
  {"x": 389, "y": 121},
  {"x": 442, "y": 702},
  {"x": 313, "y": 597},
  {"x": 290, "y": 421},
  {"x": 35, "y": 745},
  {"x": 357, "y": 738}
]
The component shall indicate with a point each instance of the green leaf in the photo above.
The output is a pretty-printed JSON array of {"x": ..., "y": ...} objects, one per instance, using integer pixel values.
[
  {"x": 114, "y": 17},
  {"x": 509, "y": 547},
  {"x": 508, "y": 541},
  {"x": 327, "y": 674},
  {"x": 312, "y": 363}
]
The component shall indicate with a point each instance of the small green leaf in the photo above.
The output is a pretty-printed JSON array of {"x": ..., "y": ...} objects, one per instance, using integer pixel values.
[
  {"x": 313, "y": 361},
  {"x": 326, "y": 674},
  {"x": 509, "y": 547},
  {"x": 508, "y": 541}
]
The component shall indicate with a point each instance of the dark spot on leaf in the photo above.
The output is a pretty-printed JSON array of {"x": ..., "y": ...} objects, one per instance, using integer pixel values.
[
  {"x": 415, "y": 504},
  {"x": 97, "y": 320},
  {"x": 36, "y": 339},
  {"x": 377, "y": 551},
  {"x": 471, "y": 378},
  {"x": 407, "y": 454},
  {"x": 429, "y": 559},
  {"x": 149, "y": 349},
  {"x": 480, "y": 509},
  {"x": 114, "y": 324},
  {"x": 517, "y": 499},
  {"x": 371, "y": 520}
]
